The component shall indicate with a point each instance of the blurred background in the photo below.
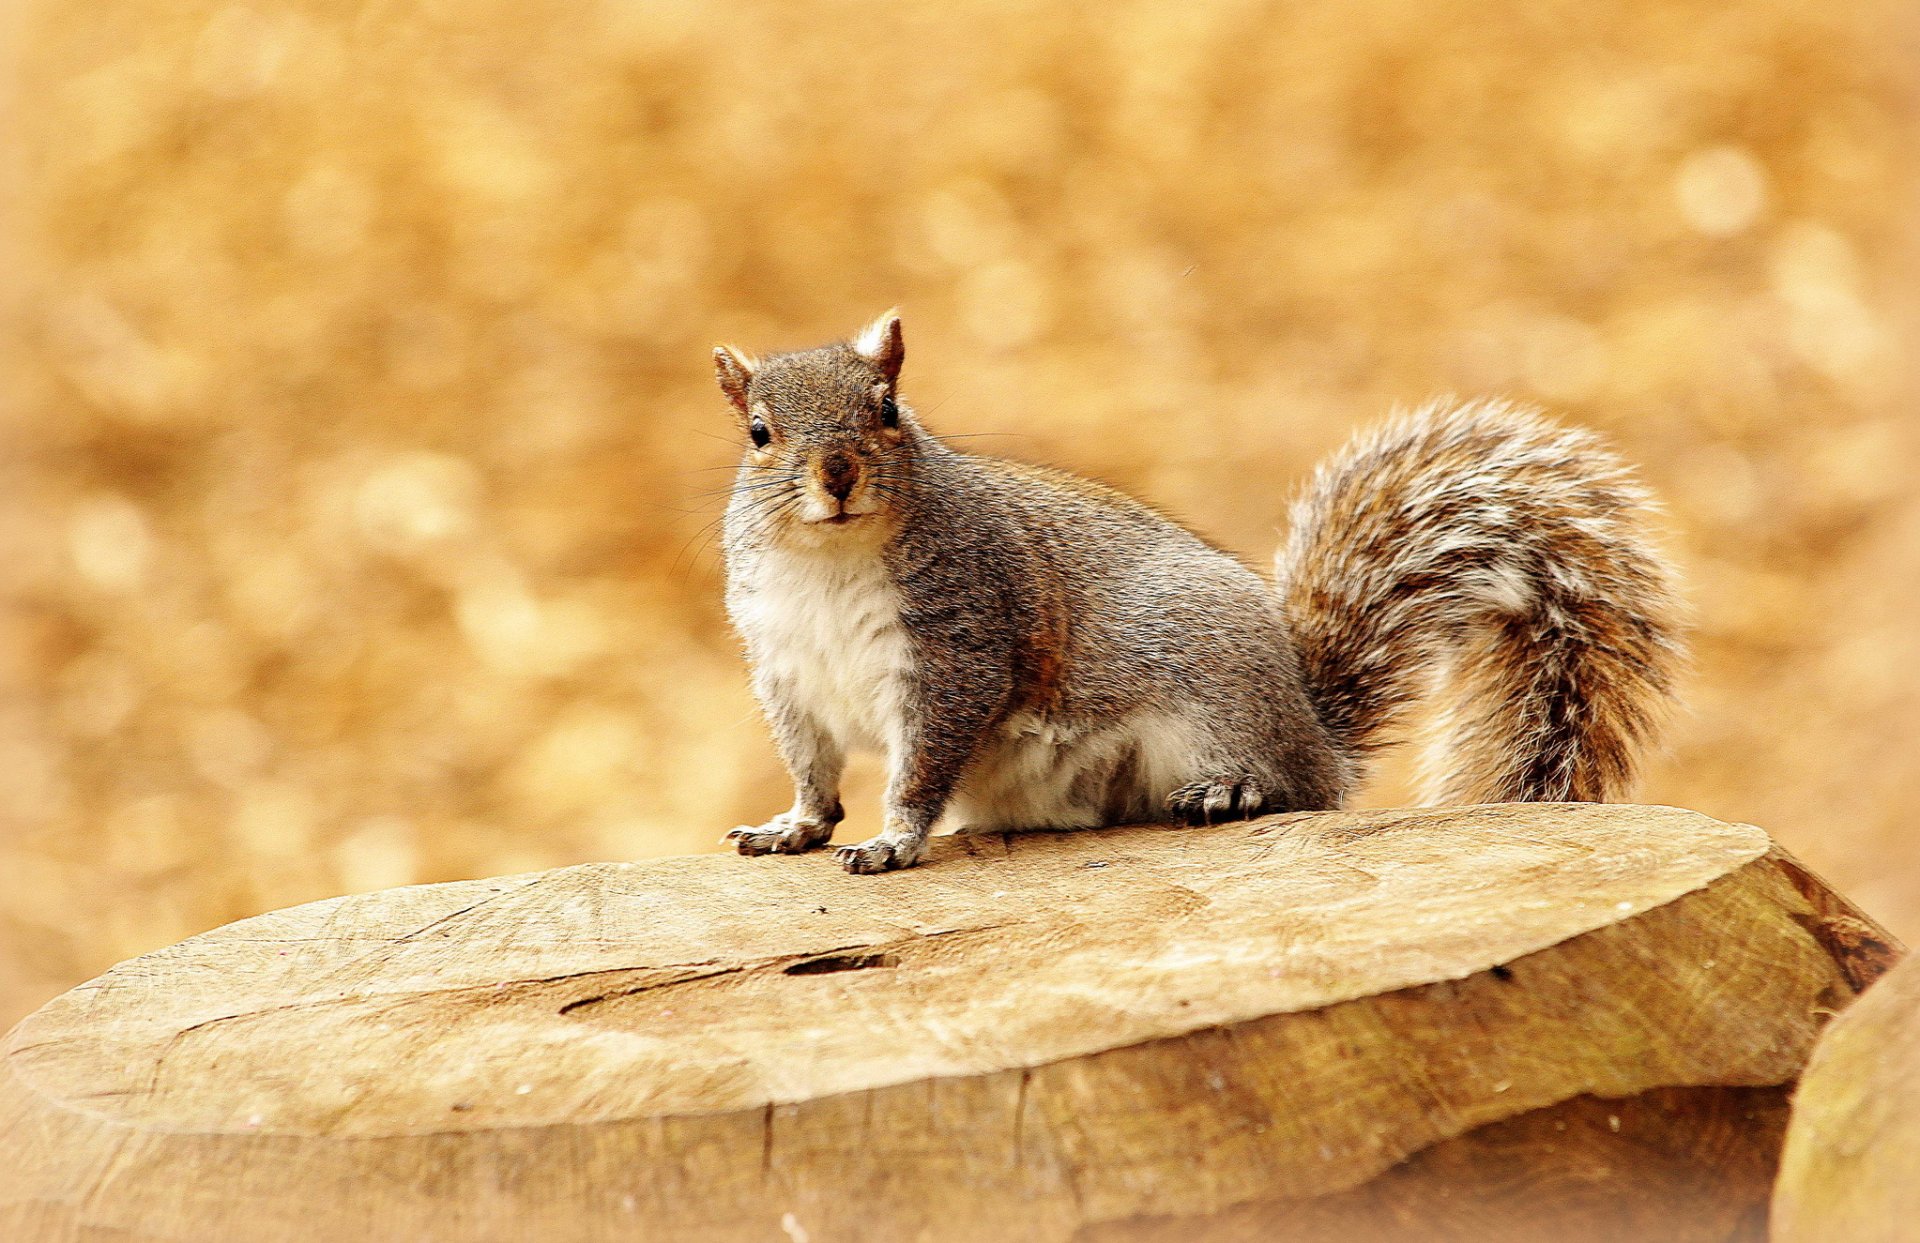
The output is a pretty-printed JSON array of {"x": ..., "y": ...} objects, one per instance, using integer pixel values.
[{"x": 359, "y": 444}]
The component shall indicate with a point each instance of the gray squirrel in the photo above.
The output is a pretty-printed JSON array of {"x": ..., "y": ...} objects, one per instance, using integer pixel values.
[{"x": 1030, "y": 649}]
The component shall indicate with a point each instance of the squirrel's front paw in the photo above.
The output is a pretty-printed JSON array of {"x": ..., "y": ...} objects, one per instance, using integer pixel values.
[
  {"x": 1210, "y": 802},
  {"x": 880, "y": 854},
  {"x": 785, "y": 834}
]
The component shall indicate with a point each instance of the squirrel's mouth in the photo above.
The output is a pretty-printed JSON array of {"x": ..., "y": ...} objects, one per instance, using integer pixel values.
[{"x": 842, "y": 518}]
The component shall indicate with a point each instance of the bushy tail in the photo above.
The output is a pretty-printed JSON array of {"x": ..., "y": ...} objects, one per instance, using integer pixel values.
[{"x": 1482, "y": 547}]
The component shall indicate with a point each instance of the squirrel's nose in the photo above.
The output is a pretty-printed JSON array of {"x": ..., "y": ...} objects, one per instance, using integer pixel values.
[{"x": 838, "y": 473}]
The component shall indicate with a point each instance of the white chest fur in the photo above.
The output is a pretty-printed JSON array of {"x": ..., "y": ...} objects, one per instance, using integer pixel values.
[{"x": 824, "y": 631}]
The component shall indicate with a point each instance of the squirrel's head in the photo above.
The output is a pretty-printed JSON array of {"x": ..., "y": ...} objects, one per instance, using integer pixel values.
[{"x": 827, "y": 442}]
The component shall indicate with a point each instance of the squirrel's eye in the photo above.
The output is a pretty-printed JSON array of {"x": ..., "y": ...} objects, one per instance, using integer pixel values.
[
  {"x": 760, "y": 434},
  {"x": 889, "y": 413}
]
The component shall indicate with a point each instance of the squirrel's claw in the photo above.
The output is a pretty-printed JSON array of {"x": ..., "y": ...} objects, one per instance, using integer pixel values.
[
  {"x": 1211, "y": 802},
  {"x": 783, "y": 835},
  {"x": 877, "y": 854}
]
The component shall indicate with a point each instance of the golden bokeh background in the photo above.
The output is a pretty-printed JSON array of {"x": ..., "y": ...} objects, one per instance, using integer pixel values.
[{"x": 359, "y": 436}]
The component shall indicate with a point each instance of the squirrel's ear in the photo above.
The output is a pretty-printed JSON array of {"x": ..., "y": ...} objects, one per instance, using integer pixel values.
[
  {"x": 881, "y": 341},
  {"x": 734, "y": 369}
]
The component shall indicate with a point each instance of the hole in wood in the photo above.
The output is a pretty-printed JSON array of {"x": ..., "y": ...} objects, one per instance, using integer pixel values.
[{"x": 829, "y": 963}]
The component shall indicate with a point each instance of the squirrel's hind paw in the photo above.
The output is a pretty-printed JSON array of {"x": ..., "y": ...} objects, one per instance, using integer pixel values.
[
  {"x": 782, "y": 835},
  {"x": 1210, "y": 802}
]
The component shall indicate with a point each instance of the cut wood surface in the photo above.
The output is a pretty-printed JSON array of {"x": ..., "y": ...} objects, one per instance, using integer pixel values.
[
  {"x": 1472, "y": 1023},
  {"x": 1852, "y": 1164}
]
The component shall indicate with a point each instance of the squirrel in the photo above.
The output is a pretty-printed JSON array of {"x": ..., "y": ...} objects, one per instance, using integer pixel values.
[{"x": 1030, "y": 649}]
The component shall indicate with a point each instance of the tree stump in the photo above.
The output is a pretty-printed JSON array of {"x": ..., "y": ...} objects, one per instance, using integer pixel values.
[
  {"x": 1479, "y": 1023},
  {"x": 1852, "y": 1164}
]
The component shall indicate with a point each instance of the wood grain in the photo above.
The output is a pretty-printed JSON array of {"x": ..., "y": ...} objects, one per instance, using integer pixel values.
[
  {"x": 1034, "y": 1036},
  {"x": 1851, "y": 1169}
]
